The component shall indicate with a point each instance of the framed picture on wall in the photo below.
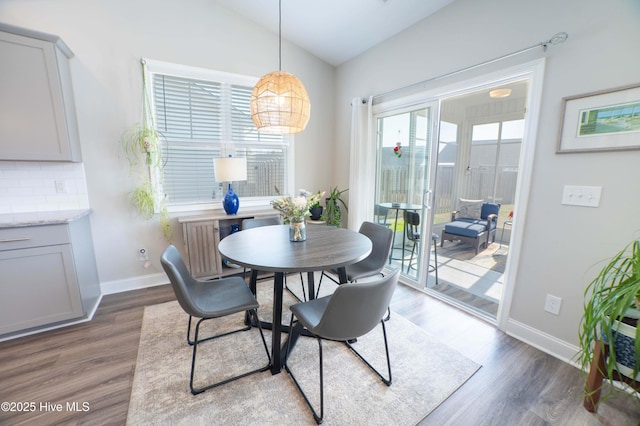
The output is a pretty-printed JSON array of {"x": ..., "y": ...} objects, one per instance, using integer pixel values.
[{"x": 607, "y": 120}]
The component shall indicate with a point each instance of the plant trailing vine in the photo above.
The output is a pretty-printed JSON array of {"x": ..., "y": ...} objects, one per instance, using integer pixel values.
[{"x": 140, "y": 144}]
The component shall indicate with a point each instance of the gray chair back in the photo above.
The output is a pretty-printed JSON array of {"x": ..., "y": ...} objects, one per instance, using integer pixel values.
[
  {"x": 381, "y": 237},
  {"x": 261, "y": 221},
  {"x": 181, "y": 280},
  {"x": 354, "y": 309}
]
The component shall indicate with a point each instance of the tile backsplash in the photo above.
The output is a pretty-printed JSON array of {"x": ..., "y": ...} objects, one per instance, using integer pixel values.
[{"x": 27, "y": 186}]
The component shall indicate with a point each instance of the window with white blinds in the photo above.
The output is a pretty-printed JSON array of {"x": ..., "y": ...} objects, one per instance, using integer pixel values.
[{"x": 202, "y": 115}]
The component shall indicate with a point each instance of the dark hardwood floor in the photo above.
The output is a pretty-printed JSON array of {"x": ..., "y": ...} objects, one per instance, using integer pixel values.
[{"x": 92, "y": 364}]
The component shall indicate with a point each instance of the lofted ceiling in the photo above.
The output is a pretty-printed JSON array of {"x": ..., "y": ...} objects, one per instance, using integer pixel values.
[{"x": 336, "y": 30}]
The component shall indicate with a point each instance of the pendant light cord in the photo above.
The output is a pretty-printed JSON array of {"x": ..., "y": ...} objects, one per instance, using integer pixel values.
[{"x": 279, "y": 35}]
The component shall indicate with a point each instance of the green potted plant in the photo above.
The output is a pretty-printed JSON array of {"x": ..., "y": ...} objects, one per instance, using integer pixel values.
[
  {"x": 316, "y": 210},
  {"x": 332, "y": 213},
  {"x": 612, "y": 302}
]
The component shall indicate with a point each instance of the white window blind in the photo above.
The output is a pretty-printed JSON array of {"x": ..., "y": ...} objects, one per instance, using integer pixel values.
[{"x": 200, "y": 119}]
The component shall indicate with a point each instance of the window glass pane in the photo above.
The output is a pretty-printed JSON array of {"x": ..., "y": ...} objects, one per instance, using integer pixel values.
[
  {"x": 199, "y": 120},
  {"x": 187, "y": 109},
  {"x": 513, "y": 129},
  {"x": 447, "y": 153},
  {"x": 188, "y": 173},
  {"x": 484, "y": 132},
  {"x": 266, "y": 170},
  {"x": 482, "y": 164}
]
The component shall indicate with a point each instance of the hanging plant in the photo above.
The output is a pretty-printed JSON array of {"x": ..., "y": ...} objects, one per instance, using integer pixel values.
[
  {"x": 141, "y": 141},
  {"x": 143, "y": 199},
  {"x": 141, "y": 145}
]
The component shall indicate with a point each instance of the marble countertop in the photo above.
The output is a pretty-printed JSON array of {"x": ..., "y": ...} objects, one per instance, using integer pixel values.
[{"x": 14, "y": 220}]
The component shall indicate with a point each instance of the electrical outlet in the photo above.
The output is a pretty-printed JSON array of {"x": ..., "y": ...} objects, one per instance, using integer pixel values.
[
  {"x": 552, "y": 304},
  {"x": 61, "y": 187},
  {"x": 142, "y": 255}
]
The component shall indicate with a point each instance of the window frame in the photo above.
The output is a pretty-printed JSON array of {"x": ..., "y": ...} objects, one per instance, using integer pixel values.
[{"x": 190, "y": 72}]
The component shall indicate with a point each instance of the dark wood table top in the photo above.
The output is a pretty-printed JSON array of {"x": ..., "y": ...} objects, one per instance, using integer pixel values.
[{"x": 268, "y": 248}]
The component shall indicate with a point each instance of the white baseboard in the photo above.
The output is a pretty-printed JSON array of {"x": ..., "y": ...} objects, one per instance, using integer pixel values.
[
  {"x": 135, "y": 283},
  {"x": 543, "y": 341},
  {"x": 86, "y": 318}
]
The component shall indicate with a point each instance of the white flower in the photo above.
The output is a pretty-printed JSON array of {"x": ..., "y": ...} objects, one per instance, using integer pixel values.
[{"x": 300, "y": 202}]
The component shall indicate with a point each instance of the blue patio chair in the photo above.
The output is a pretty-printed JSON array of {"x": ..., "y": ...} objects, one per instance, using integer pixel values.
[{"x": 467, "y": 227}]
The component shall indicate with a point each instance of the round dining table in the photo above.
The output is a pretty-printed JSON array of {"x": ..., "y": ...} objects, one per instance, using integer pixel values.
[{"x": 268, "y": 249}]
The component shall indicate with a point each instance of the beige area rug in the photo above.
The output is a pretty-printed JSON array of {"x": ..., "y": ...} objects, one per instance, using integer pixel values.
[{"x": 425, "y": 372}]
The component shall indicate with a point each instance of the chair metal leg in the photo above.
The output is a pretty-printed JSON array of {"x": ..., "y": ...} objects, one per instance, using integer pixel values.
[
  {"x": 296, "y": 330},
  {"x": 192, "y": 342},
  {"x": 413, "y": 249},
  {"x": 324, "y": 274},
  {"x": 386, "y": 348},
  {"x": 196, "y": 391},
  {"x": 304, "y": 292},
  {"x": 435, "y": 256},
  {"x": 295, "y": 333}
]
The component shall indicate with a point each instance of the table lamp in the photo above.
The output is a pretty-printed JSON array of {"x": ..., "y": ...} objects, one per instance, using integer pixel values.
[{"x": 228, "y": 169}]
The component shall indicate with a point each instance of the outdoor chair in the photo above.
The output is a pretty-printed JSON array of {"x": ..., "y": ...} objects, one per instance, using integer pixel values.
[
  {"x": 352, "y": 311},
  {"x": 208, "y": 300},
  {"x": 381, "y": 214},
  {"x": 473, "y": 223},
  {"x": 412, "y": 229}
]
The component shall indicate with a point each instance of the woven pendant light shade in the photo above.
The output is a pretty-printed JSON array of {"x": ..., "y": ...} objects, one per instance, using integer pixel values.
[{"x": 280, "y": 104}]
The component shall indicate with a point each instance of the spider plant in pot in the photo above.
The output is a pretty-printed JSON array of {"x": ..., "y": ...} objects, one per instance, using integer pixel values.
[{"x": 612, "y": 303}]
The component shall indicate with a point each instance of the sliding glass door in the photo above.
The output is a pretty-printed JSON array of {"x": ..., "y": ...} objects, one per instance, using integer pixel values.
[{"x": 403, "y": 194}]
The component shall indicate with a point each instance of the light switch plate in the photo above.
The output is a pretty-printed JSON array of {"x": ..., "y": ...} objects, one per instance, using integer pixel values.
[{"x": 585, "y": 196}]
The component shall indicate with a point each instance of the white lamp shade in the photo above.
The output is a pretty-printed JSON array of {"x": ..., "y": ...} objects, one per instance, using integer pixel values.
[{"x": 230, "y": 169}]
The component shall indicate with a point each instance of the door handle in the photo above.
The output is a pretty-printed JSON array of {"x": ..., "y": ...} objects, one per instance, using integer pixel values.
[
  {"x": 427, "y": 199},
  {"x": 12, "y": 240}
]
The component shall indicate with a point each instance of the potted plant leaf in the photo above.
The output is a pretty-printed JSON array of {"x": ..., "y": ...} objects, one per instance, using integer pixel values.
[
  {"x": 609, "y": 331},
  {"x": 332, "y": 213}
]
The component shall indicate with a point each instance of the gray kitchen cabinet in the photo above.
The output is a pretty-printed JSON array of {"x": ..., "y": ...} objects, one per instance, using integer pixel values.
[
  {"x": 36, "y": 98},
  {"x": 48, "y": 275}
]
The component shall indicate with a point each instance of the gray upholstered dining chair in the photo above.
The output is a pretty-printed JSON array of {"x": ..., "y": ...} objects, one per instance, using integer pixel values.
[
  {"x": 269, "y": 221},
  {"x": 207, "y": 300},
  {"x": 381, "y": 237},
  {"x": 352, "y": 311}
]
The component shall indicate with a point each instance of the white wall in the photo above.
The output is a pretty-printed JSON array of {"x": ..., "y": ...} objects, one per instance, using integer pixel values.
[
  {"x": 108, "y": 39},
  {"x": 562, "y": 244}
]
